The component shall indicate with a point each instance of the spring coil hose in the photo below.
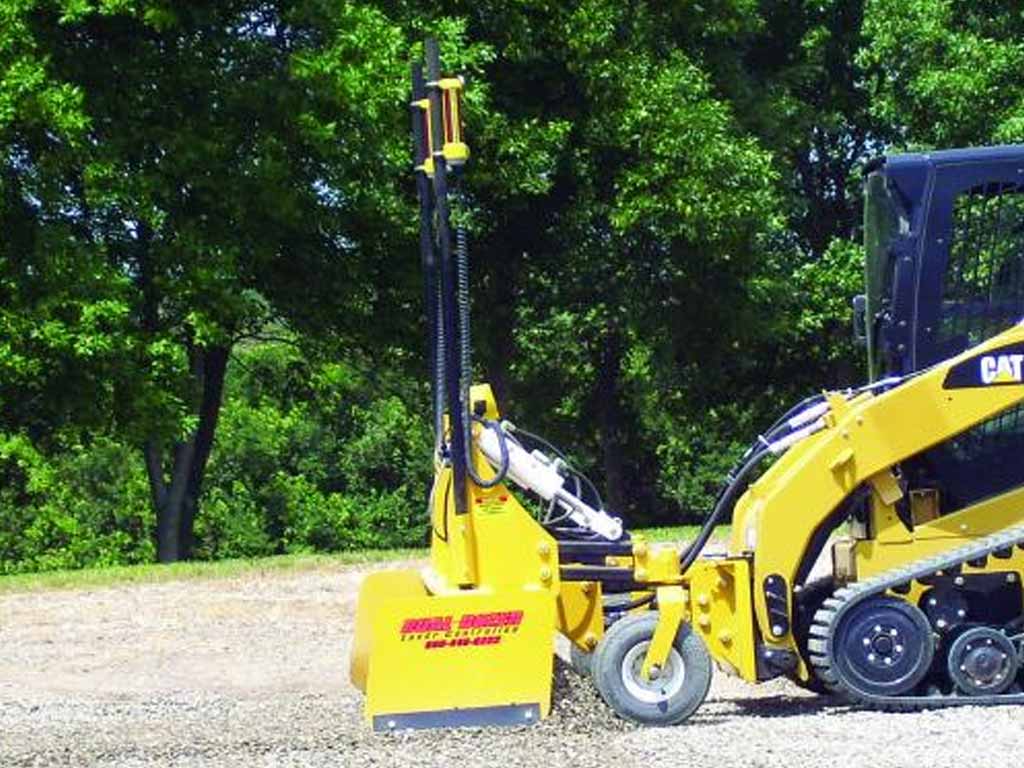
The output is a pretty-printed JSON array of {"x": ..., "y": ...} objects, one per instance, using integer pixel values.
[
  {"x": 466, "y": 363},
  {"x": 438, "y": 370}
]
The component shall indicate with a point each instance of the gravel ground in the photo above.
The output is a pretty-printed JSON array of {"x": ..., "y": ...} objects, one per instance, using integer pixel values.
[{"x": 253, "y": 672}]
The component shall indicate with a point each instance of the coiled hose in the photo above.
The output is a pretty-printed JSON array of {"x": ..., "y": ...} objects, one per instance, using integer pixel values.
[{"x": 466, "y": 364}]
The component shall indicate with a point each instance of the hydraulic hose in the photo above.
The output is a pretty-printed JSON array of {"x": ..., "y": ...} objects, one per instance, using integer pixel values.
[
  {"x": 725, "y": 502},
  {"x": 736, "y": 480},
  {"x": 565, "y": 461}
]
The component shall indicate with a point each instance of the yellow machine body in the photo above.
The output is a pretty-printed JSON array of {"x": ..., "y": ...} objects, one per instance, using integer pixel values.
[
  {"x": 776, "y": 520},
  {"x": 469, "y": 638}
]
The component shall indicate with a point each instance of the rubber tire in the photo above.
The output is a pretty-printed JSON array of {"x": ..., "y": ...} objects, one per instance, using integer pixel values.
[
  {"x": 580, "y": 660},
  {"x": 806, "y": 604},
  {"x": 606, "y": 670}
]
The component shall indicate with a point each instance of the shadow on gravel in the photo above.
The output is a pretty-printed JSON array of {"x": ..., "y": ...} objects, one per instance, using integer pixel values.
[{"x": 784, "y": 706}]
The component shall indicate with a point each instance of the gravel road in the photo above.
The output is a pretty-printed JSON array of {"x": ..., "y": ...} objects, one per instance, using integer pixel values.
[{"x": 253, "y": 672}]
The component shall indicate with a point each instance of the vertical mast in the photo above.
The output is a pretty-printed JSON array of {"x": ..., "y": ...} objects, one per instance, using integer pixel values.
[{"x": 457, "y": 410}]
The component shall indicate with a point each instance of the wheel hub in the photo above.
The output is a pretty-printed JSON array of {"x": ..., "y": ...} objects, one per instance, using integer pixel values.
[
  {"x": 983, "y": 661},
  {"x": 884, "y": 646},
  {"x": 984, "y": 665},
  {"x": 662, "y": 684}
]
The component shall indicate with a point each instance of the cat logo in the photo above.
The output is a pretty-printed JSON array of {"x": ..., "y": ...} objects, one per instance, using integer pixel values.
[{"x": 1001, "y": 369}]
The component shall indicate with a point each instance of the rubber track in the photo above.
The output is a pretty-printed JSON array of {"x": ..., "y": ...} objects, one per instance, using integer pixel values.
[{"x": 834, "y": 608}]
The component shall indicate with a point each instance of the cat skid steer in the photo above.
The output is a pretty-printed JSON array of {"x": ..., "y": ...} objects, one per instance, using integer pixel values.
[{"x": 920, "y": 470}]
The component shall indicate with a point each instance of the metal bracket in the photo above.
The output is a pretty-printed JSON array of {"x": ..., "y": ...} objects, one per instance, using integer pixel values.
[{"x": 671, "y": 607}]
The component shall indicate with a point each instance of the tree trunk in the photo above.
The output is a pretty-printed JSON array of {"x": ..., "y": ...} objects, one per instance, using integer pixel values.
[{"x": 176, "y": 499}]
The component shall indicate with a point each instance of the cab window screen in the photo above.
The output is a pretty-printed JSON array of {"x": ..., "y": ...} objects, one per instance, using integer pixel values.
[{"x": 983, "y": 292}]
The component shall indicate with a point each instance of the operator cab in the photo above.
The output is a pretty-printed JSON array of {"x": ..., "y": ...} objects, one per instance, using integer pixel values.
[{"x": 944, "y": 270}]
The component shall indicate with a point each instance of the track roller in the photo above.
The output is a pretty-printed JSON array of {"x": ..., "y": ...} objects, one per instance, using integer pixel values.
[{"x": 983, "y": 661}]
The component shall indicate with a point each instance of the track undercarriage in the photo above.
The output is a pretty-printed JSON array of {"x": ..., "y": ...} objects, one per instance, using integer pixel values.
[{"x": 941, "y": 631}]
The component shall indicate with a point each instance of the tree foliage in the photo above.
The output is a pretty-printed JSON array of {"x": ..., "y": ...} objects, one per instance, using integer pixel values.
[
  {"x": 948, "y": 72},
  {"x": 211, "y": 332}
]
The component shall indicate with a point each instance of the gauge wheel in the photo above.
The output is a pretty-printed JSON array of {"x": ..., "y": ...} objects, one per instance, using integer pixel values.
[{"x": 668, "y": 698}]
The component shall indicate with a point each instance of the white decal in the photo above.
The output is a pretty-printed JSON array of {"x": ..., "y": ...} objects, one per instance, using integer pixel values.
[{"x": 1001, "y": 368}]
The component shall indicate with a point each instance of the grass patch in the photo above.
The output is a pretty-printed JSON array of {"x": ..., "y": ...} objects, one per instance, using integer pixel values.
[
  {"x": 680, "y": 533},
  {"x": 227, "y": 569}
]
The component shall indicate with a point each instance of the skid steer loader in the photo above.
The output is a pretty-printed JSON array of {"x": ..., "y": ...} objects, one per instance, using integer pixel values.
[{"x": 920, "y": 470}]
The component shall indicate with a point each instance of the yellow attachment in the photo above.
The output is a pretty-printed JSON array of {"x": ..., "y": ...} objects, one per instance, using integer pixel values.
[
  {"x": 721, "y": 612},
  {"x": 655, "y": 564},
  {"x": 467, "y": 658},
  {"x": 671, "y": 608},
  {"x": 470, "y": 639}
]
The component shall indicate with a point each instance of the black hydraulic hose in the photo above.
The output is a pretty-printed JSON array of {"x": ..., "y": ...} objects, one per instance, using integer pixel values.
[
  {"x": 503, "y": 464},
  {"x": 735, "y": 480},
  {"x": 725, "y": 502},
  {"x": 804, "y": 404},
  {"x": 773, "y": 431},
  {"x": 447, "y": 277}
]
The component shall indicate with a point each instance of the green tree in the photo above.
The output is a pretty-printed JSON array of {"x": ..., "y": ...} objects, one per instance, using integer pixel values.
[
  {"x": 206, "y": 170},
  {"x": 948, "y": 71}
]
